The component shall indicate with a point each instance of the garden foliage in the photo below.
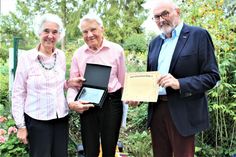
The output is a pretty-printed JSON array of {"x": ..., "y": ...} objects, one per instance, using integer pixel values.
[{"x": 217, "y": 16}]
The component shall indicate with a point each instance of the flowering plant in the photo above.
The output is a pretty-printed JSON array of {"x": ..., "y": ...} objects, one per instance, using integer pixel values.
[{"x": 9, "y": 144}]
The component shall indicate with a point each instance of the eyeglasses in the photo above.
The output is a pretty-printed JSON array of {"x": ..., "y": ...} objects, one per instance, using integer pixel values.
[{"x": 163, "y": 15}]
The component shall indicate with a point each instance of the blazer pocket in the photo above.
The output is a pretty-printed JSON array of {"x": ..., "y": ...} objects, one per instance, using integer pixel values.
[
  {"x": 187, "y": 65},
  {"x": 187, "y": 56},
  {"x": 196, "y": 111}
]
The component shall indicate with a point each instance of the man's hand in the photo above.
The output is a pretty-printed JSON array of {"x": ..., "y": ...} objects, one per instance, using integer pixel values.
[
  {"x": 168, "y": 81},
  {"x": 132, "y": 103},
  {"x": 80, "y": 106}
]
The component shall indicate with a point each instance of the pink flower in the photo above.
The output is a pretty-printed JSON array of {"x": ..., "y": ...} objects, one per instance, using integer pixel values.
[
  {"x": 2, "y": 132},
  {"x": 2, "y": 119},
  {"x": 2, "y": 139},
  {"x": 11, "y": 130}
]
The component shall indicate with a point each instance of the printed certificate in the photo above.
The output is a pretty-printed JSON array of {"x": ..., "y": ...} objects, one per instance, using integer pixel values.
[{"x": 141, "y": 86}]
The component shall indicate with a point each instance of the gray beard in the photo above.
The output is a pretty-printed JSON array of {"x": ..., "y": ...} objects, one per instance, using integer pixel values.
[{"x": 167, "y": 30}]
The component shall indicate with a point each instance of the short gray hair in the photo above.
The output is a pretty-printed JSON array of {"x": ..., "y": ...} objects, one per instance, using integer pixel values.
[
  {"x": 152, "y": 4},
  {"x": 40, "y": 20},
  {"x": 91, "y": 16}
]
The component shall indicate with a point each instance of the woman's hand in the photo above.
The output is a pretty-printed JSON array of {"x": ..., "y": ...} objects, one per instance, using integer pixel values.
[
  {"x": 22, "y": 135},
  {"x": 80, "y": 106},
  {"x": 75, "y": 82}
]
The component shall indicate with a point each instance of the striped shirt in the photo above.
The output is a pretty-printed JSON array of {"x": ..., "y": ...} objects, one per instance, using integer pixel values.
[
  {"x": 39, "y": 92},
  {"x": 110, "y": 54}
]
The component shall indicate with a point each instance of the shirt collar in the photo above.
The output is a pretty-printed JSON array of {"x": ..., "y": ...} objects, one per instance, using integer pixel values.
[
  {"x": 175, "y": 32},
  {"x": 37, "y": 53},
  {"x": 105, "y": 44}
]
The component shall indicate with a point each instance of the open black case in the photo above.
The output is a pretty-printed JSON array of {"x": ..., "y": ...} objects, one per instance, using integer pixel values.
[{"x": 95, "y": 87}]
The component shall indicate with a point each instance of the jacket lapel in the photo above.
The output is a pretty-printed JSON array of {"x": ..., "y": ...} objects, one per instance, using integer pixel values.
[
  {"x": 179, "y": 46},
  {"x": 158, "y": 49}
]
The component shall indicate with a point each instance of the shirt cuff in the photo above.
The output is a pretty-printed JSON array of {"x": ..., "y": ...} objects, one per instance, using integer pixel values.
[
  {"x": 22, "y": 125},
  {"x": 71, "y": 94}
]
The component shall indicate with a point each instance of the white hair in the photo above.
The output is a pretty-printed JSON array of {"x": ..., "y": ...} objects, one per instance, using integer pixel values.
[
  {"x": 40, "y": 20},
  {"x": 91, "y": 16}
]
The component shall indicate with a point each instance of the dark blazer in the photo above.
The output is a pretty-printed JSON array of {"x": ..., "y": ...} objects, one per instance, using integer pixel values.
[{"x": 194, "y": 65}]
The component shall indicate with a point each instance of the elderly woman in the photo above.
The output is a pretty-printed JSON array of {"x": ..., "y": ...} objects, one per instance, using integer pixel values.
[{"x": 39, "y": 106}]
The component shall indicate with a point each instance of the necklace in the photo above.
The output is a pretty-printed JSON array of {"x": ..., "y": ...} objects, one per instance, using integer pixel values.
[{"x": 44, "y": 66}]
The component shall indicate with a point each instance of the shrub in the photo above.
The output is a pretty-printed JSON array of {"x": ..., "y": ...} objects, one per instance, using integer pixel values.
[
  {"x": 135, "y": 61},
  {"x": 9, "y": 144},
  {"x": 136, "y": 43},
  {"x": 4, "y": 53},
  {"x": 3, "y": 83},
  {"x": 139, "y": 144}
]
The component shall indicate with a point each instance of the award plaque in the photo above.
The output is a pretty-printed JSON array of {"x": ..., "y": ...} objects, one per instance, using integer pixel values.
[
  {"x": 94, "y": 89},
  {"x": 91, "y": 95}
]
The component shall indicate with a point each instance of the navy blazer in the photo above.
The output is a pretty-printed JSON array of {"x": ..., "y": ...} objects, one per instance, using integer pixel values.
[{"x": 194, "y": 65}]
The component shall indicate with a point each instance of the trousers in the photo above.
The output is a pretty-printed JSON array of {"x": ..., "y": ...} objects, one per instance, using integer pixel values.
[
  {"x": 166, "y": 140},
  {"x": 102, "y": 126},
  {"x": 48, "y": 138}
]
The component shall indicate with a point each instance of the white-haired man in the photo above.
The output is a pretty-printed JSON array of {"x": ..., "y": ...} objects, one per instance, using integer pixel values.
[{"x": 99, "y": 124}]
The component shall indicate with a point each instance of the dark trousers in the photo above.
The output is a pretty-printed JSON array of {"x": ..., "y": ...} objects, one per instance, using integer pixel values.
[
  {"x": 48, "y": 138},
  {"x": 102, "y": 125},
  {"x": 166, "y": 140}
]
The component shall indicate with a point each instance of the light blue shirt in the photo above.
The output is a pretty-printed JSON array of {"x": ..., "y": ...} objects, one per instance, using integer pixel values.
[{"x": 166, "y": 53}]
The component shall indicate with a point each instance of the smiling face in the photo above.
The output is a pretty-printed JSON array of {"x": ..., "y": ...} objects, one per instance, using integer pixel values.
[
  {"x": 49, "y": 37},
  {"x": 166, "y": 16},
  {"x": 92, "y": 34}
]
